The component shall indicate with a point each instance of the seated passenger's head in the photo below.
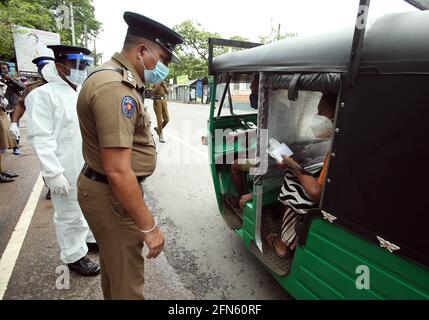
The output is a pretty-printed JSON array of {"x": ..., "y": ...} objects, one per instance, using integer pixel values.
[
  {"x": 322, "y": 125},
  {"x": 327, "y": 106},
  {"x": 254, "y": 88}
]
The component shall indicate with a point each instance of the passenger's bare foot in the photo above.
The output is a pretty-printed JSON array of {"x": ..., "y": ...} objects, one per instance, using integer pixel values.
[{"x": 244, "y": 199}]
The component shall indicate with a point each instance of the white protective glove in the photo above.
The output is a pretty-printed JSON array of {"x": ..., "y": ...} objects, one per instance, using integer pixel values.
[
  {"x": 14, "y": 131},
  {"x": 58, "y": 185}
]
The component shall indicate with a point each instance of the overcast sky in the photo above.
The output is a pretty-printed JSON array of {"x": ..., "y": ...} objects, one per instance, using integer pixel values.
[{"x": 247, "y": 18}]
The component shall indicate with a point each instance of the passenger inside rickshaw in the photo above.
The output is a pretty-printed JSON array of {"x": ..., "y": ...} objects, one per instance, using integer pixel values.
[
  {"x": 321, "y": 129},
  {"x": 236, "y": 130},
  {"x": 240, "y": 171},
  {"x": 301, "y": 190}
]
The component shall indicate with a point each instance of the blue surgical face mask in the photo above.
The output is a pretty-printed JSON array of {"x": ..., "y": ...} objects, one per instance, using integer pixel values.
[{"x": 156, "y": 75}]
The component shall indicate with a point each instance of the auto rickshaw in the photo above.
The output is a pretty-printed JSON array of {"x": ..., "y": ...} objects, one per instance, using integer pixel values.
[{"x": 368, "y": 237}]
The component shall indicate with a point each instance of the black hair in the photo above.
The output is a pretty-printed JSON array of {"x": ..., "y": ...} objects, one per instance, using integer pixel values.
[
  {"x": 330, "y": 99},
  {"x": 5, "y": 64},
  {"x": 132, "y": 41}
]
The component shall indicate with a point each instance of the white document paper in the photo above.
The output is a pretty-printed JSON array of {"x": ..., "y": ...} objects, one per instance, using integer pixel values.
[{"x": 277, "y": 150}]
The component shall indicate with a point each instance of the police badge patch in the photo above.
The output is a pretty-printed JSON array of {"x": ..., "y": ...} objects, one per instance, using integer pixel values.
[{"x": 129, "y": 106}]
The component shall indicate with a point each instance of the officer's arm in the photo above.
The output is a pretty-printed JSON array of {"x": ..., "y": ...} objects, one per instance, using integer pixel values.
[
  {"x": 41, "y": 131},
  {"x": 18, "y": 112},
  {"x": 117, "y": 167}
]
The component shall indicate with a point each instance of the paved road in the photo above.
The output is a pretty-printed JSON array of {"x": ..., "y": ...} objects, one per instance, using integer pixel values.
[{"x": 202, "y": 258}]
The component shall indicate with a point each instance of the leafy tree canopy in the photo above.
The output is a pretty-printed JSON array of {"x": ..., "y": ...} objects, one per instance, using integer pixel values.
[
  {"x": 42, "y": 14},
  {"x": 194, "y": 51}
]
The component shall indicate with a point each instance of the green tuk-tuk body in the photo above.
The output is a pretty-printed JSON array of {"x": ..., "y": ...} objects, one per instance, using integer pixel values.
[{"x": 368, "y": 239}]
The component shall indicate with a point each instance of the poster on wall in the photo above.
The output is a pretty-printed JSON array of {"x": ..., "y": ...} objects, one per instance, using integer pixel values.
[{"x": 30, "y": 44}]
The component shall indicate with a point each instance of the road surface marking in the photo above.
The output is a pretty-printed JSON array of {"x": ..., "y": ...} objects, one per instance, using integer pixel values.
[
  {"x": 199, "y": 152},
  {"x": 11, "y": 253}
]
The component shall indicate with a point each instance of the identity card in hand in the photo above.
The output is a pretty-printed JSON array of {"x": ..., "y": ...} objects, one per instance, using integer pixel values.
[{"x": 277, "y": 150}]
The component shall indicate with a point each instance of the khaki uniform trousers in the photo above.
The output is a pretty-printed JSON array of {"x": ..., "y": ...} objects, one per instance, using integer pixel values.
[
  {"x": 6, "y": 141},
  {"x": 119, "y": 240},
  {"x": 162, "y": 116}
]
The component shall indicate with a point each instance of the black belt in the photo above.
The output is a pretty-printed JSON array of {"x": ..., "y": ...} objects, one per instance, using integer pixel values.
[
  {"x": 95, "y": 176},
  {"x": 160, "y": 98}
]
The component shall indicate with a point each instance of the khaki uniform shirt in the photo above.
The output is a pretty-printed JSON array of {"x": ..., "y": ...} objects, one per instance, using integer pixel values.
[
  {"x": 30, "y": 87},
  {"x": 160, "y": 91},
  {"x": 112, "y": 115}
]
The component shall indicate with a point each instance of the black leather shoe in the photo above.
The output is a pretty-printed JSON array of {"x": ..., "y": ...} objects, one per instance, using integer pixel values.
[
  {"x": 92, "y": 247},
  {"x": 85, "y": 267},
  {"x": 4, "y": 179},
  {"x": 9, "y": 174},
  {"x": 48, "y": 195}
]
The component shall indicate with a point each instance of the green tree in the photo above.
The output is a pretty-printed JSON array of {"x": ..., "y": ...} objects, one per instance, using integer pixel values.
[
  {"x": 41, "y": 14},
  {"x": 84, "y": 18},
  {"x": 194, "y": 52},
  {"x": 29, "y": 14}
]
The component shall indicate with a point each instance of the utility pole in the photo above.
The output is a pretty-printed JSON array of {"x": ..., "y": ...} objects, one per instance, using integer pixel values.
[
  {"x": 98, "y": 59},
  {"x": 72, "y": 24},
  {"x": 85, "y": 33},
  {"x": 278, "y": 32}
]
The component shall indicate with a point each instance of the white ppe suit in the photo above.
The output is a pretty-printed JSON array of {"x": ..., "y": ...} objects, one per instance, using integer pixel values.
[{"x": 53, "y": 131}]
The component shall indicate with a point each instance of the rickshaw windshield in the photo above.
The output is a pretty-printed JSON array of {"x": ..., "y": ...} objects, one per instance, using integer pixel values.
[
  {"x": 292, "y": 122},
  {"x": 237, "y": 96}
]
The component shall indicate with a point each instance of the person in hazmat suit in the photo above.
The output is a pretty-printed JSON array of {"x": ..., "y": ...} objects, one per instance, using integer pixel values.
[
  {"x": 48, "y": 72},
  {"x": 54, "y": 133}
]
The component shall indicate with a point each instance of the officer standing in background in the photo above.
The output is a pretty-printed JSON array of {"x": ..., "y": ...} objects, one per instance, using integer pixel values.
[
  {"x": 5, "y": 140},
  {"x": 160, "y": 94},
  {"x": 14, "y": 90},
  {"x": 120, "y": 154}
]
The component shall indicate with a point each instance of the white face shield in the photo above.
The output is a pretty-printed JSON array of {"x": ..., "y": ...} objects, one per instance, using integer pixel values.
[{"x": 79, "y": 73}]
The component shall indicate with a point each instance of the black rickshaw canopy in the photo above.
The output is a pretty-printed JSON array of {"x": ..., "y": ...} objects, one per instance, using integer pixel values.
[{"x": 394, "y": 43}]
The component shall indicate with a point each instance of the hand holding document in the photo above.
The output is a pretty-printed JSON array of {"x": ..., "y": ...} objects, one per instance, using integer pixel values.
[{"x": 277, "y": 150}]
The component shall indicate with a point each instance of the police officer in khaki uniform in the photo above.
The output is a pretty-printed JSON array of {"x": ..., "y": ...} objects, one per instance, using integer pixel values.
[
  {"x": 120, "y": 154},
  {"x": 160, "y": 93}
]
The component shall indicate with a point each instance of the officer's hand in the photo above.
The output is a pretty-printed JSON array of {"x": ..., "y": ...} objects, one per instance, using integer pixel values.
[{"x": 155, "y": 241}]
